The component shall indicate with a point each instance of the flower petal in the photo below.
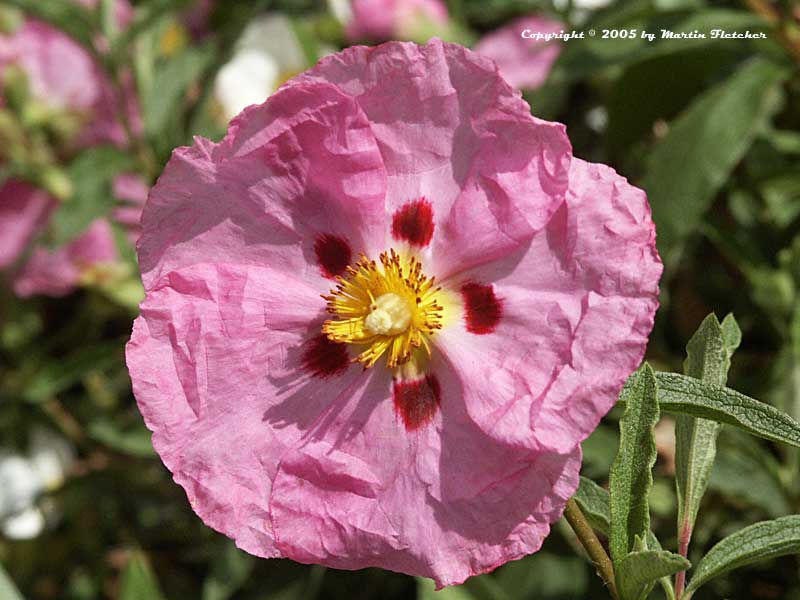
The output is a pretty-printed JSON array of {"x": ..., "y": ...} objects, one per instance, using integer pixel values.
[
  {"x": 217, "y": 360},
  {"x": 302, "y": 165},
  {"x": 578, "y": 306},
  {"x": 364, "y": 491},
  {"x": 451, "y": 131}
]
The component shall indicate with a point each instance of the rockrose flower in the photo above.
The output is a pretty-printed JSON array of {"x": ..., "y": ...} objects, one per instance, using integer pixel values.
[
  {"x": 383, "y": 312},
  {"x": 524, "y": 61},
  {"x": 24, "y": 210},
  {"x": 91, "y": 258},
  {"x": 392, "y": 19}
]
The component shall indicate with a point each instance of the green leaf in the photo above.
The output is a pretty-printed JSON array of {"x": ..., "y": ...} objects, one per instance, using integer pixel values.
[
  {"x": 162, "y": 107},
  {"x": 8, "y": 590},
  {"x": 138, "y": 580},
  {"x": 704, "y": 144},
  {"x": 631, "y": 476},
  {"x": 747, "y": 472},
  {"x": 707, "y": 358},
  {"x": 544, "y": 576},
  {"x": 91, "y": 174},
  {"x": 59, "y": 374},
  {"x": 761, "y": 541},
  {"x": 595, "y": 504},
  {"x": 231, "y": 569},
  {"x": 426, "y": 590},
  {"x": 134, "y": 441},
  {"x": 638, "y": 571},
  {"x": 682, "y": 395},
  {"x": 69, "y": 17}
]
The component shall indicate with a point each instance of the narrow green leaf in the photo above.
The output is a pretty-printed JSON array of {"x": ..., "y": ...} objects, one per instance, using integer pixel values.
[
  {"x": 687, "y": 168},
  {"x": 8, "y": 590},
  {"x": 134, "y": 441},
  {"x": 682, "y": 395},
  {"x": 57, "y": 375},
  {"x": 761, "y": 541},
  {"x": 91, "y": 174},
  {"x": 138, "y": 580},
  {"x": 707, "y": 358},
  {"x": 162, "y": 108},
  {"x": 594, "y": 502},
  {"x": 231, "y": 569},
  {"x": 731, "y": 334},
  {"x": 638, "y": 571},
  {"x": 631, "y": 475},
  {"x": 746, "y": 471}
]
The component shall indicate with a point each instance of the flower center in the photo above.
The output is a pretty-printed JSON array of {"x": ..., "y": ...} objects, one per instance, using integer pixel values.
[
  {"x": 390, "y": 314},
  {"x": 389, "y": 307}
]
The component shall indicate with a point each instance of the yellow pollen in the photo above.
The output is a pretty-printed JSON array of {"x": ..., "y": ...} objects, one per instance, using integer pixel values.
[{"x": 389, "y": 306}]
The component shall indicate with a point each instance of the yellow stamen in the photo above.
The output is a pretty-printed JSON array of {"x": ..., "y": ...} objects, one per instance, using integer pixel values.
[{"x": 390, "y": 307}]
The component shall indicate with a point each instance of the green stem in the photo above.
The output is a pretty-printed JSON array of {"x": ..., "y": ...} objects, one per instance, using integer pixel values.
[{"x": 588, "y": 539}]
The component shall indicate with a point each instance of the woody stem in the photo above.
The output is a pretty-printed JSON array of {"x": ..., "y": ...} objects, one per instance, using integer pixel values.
[{"x": 588, "y": 539}]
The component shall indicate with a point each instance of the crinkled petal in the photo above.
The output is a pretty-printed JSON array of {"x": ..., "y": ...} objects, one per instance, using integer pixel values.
[
  {"x": 303, "y": 165},
  {"x": 577, "y": 307},
  {"x": 451, "y": 131},
  {"x": 445, "y": 502},
  {"x": 216, "y": 360}
]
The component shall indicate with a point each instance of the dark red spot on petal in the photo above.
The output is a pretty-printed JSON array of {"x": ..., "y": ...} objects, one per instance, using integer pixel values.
[
  {"x": 414, "y": 223},
  {"x": 333, "y": 254},
  {"x": 482, "y": 308},
  {"x": 416, "y": 401},
  {"x": 324, "y": 358}
]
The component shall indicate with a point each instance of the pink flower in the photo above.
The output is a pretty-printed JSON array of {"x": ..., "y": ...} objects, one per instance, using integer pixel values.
[
  {"x": 24, "y": 210},
  {"x": 58, "y": 272},
  {"x": 63, "y": 76},
  {"x": 524, "y": 62},
  {"x": 428, "y": 427},
  {"x": 387, "y": 19}
]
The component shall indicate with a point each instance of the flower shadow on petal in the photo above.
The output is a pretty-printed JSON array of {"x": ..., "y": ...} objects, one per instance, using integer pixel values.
[{"x": 327, "y": 385}]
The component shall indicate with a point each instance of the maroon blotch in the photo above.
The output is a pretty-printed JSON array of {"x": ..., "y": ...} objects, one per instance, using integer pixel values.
[
  {"x": 482, "y": 308},
  {"x": 324, "y": 358},
  {"x": 333, "y": 254},
  {"x": 414, "y": 223},
  {"x": 416, "y": 401}
]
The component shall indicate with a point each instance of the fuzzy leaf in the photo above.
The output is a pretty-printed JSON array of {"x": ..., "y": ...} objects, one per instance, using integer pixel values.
[
  {"x": 638, "y": 572},
  {"x": 708, "y": 357},
  {"x": 631, "y": 476},
  {"x": 593, "y": 501},
  {"x": 679, "y": 394},
  {"x": 761, "y": 541}
]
